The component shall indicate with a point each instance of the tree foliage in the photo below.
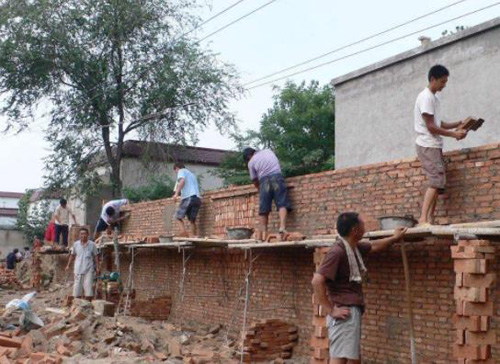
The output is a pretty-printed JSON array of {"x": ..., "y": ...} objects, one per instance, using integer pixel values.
[
  {"x": 33, "y": 222},
  {"x": 158, "y": 187},
  {"x": 103, "y": 70},
  {"x": 299, "y": 128}
]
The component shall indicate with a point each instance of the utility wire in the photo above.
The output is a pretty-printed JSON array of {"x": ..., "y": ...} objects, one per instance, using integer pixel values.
[
  {"x": 354, "y": 43},
  {"x": 371, "y": 48},
  {"x": 237, "y": 20},
  {"x": 213, "y": 17}
]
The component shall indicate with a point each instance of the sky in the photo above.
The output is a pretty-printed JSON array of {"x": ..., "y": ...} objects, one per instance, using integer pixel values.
[{"x": 282, "y": 34}]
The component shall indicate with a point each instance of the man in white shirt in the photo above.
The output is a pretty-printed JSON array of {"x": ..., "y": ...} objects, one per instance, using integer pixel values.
[
  {"x": 110, "y": 216},
  {"x": 430, "y": 129},
  {"x": 84, "y": 253},
  {"x": 61, "y": 220}
]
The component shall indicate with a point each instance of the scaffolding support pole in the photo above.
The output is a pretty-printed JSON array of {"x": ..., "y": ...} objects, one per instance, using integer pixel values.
[
  {"x": 248, "y": 282},
  {"x": 130, "y": 282},
  {"x": 409, "y": 302},
  {"x": 184, "y": 271}
]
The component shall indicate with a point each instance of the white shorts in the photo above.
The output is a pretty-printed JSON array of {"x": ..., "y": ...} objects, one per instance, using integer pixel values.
[
  {"x": 86, "y": 280},
  {"x": 345, "y": 335}
]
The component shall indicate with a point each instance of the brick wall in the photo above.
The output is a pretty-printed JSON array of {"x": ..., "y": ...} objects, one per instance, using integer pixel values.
[{"x": 374, "y": 190}]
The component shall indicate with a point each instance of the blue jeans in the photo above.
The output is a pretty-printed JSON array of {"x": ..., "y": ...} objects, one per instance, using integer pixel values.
[{"x": 271, "y": 188}]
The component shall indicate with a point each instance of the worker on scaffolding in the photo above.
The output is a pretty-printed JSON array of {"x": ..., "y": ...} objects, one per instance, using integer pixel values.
[
  {"x": 187, "y": 188},
  {"x": 430, "y": 129},
  {"x": 338, "y": 282},
  {"x": 265, "y": 172},
  {"x": 110, "y": 216},
  {"x": 84, "y": 253}
]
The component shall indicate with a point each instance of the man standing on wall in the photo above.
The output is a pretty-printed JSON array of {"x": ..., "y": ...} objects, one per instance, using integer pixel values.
[
  {"x": 265, "y": 172},
  {"x": 187, "y": 188},
  {"x": 430, "y": 129},
  {"x": 84, "y": 253},
  {"x": 341, "y": 275},
  {"x": 110, "y": 216},
  {"x": 61, "y": 220}
]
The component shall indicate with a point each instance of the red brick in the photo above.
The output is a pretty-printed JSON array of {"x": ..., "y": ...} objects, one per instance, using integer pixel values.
[
  {"x": 471, "y": 323},
  {"x": 479, "y": 280},
  {"x": 474, "y": 352},
  {"x": 474, "y": 309},
  {"x": 14, "y": 342},
  {"x": 470, "y": 266},
  {"x": 471, "y": 294},
  {"x": 480, "y": 338}
]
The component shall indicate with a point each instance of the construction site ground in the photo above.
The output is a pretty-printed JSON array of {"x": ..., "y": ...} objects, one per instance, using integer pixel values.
[{"x": 78, "y": 334}]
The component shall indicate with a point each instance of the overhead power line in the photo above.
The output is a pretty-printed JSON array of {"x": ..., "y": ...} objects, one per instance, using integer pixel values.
[
  {"x": 354, "y": 43},
  {"x": 213, "y": 17},
  {"x": 372, "y": 47},
  {"x": 237, "y": 20}
]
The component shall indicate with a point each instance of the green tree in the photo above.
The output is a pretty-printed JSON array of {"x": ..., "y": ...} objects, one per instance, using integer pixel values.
[
  {"x": 103, "y": 70},
  {"x": 299, "y": 127},
  {"x": 32, "y": 222},
  {"x": 158, "y": 187}
]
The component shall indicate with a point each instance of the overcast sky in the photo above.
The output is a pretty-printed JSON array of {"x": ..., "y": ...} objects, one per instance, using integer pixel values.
[{"x": 283, "y": 34}]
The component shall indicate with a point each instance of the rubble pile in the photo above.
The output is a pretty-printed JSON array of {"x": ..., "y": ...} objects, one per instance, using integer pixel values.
[{"x": 8, "y": 278}]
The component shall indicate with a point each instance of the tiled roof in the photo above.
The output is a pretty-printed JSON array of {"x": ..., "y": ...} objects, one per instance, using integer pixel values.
[
  {"x": 8, "y": 212},
  {"x": 174, "y": 153},
  {"x": 11, "y": 194}
]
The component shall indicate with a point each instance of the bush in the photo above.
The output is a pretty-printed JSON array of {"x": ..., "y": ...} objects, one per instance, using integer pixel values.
[{"x": 159, "y": 187}]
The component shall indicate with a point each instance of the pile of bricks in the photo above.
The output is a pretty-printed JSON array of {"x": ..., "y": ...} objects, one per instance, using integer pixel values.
[
  {"x": 21, "y": 349},
  {"x": 319, "y": 339},
  {"x": 8, "y": 278},
  {"x": 156, "y": 308},
  {"x": 474, "y": 281},
  {"x": 268, "y": 340},
  {"x": 16, "y": 349}
]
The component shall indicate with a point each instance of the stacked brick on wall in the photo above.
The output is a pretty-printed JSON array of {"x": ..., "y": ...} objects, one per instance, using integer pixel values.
[
  {"x": 473, "y": 263},
  {"x": 319, "y": 339},
  {"x": 269, "y": 339}
]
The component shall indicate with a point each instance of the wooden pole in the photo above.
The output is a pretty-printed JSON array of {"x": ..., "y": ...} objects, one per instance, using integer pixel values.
[{"x": 409, "y": 301}]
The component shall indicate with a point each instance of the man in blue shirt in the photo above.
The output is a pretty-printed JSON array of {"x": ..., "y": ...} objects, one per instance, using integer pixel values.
[{"x": 187, "y": 188}]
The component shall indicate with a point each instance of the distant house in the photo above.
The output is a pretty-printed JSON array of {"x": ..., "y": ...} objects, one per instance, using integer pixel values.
[
  {"x": 40, "y": 199},
  {"x": 10, "y": 237},
  {"x": 8, "y": 208},
  {"x": 141, "y": 161},
  {"x": 374, "y": 105}
]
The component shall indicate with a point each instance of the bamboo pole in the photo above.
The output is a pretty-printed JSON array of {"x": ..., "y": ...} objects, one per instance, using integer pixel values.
[{"x": 409, "y": 302}]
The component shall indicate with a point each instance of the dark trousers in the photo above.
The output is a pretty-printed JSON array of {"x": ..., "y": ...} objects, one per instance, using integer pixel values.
[{"x": 64, "y": 230}]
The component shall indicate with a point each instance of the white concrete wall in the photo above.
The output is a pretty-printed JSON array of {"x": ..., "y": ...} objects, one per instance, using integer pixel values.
[
  {"x": 9, "y": 240},
  {"x": 38, "y": 204},
  {"x": 8, "y": 221},
  {"x": 8, "y": 202},
  {"x": 134, "y": 173},
  {"x": 374, "y": 112}
]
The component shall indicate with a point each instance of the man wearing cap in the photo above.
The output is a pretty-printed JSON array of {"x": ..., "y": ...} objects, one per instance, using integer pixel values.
[{"x": 265, "y": 172}]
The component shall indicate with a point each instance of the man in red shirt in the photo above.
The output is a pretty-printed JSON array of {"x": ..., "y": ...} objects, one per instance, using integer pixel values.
[{"x": 341, "y": 275}]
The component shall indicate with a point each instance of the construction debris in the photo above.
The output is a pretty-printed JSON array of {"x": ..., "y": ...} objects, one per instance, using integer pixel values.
[
  {"x": 86, "y": 333},
  {"x": 8, "y": 278}
]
